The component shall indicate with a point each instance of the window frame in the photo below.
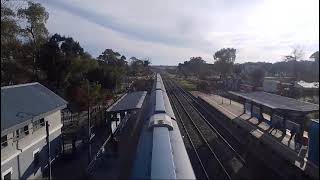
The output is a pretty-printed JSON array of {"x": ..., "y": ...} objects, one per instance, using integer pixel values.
[
  {"x": 4, "y": 142},
  {"x": 38, "y": 124},
  {"x": 3, "y": 174},
  {"x": 37, "y": 151},
  {"x": 26, "y": 132}
]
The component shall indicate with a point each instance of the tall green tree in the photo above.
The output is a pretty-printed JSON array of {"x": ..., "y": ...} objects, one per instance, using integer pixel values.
[
  {"x": 224, "y": 60},
  {"x": 11, "y": 47},
  {"x": 35, "y": 16},
  {"x": 296, "y": 55}
]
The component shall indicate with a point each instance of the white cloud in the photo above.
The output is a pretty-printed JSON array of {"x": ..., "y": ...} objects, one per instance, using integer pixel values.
[{"x": 172, "y": 31}]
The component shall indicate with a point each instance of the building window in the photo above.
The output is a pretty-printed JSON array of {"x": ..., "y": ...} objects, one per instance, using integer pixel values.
[
  {"x": 42, "y": 122},
  {"x": 38, "y": 124},
  {"x": 17, "y": 133},
  {"x": 26, "y": 130},
  {"x": 7, "y": 174},
  {"x": 36, "y": 157},
  {"x": 4, "y": 141}
]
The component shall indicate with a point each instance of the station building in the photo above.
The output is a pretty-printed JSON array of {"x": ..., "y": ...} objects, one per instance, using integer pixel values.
[{"x": 26, "y": 111}]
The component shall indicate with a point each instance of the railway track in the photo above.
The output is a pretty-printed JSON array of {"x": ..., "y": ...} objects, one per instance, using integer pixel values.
[
  {"x": 231, "y": 150},
  {"x": 216, "y": 157}
]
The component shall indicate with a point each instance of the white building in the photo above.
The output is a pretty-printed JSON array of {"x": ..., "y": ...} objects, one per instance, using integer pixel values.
[{"x": 25, "y": 109}]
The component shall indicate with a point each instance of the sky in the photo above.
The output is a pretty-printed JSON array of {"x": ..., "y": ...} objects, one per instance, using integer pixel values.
[{"x": 172, "y": 31}]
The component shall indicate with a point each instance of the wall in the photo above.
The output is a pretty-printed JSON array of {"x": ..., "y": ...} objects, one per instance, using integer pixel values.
[{"x": 27, "y": 145}]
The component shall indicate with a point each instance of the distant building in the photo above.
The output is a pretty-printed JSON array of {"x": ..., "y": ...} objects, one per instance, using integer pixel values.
[
  {"x": 278, "y": 85},
  {"x": 272, "y": 86},
  {"x": 246, "y": 87},
  {"x": 309, "y": 90},
  {"x": 315, "y": 56},
  {"x": 25, "y": 109}
]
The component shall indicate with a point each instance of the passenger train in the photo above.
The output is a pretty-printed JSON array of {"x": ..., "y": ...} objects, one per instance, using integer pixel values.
[{"x": 161, "y": 153}]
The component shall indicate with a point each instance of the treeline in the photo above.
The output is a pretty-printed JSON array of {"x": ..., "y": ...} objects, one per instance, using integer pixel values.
[
  {"x": 29, "y": 53},
  {"x": 292, "y": 65}
]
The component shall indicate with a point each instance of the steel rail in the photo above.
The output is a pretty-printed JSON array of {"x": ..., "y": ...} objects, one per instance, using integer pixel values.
[
  {"x": 203, "y": 138},
  {"x": 189, "y": 138},
  {"x": 211, "y": 126}
]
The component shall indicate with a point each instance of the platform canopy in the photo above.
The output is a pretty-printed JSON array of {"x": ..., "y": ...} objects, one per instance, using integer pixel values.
[
  {"x": 277, "y": 102},
  {"x": 129, "y": 101}
]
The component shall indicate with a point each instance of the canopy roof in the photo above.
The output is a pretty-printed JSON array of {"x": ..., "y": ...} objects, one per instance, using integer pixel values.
[
  {"x": 277, "y": 102},
  {"x": 128, "y": 101}
]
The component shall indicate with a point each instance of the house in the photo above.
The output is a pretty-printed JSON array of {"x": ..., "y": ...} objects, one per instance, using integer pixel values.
[{"x": 25, "y": 110}]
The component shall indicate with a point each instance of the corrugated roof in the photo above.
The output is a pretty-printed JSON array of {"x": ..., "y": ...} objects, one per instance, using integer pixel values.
[
  {"x": 129, "y": 101},
  {"x": 277, "y": 102},
  {"x": 303, "y": 84},
  {"x": 21, "y": 103}
]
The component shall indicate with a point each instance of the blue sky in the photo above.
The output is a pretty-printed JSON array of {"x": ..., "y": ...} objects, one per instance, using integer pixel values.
[{"x": 170, "y": 32}]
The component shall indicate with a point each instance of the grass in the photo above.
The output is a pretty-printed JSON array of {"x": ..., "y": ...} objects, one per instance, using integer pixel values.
[{"x": 187, "y": 85}]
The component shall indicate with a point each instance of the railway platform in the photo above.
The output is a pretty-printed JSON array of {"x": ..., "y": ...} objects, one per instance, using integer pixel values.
[
  {"x": 262, "y": 129},
  {"x": 235, "y": 110}
]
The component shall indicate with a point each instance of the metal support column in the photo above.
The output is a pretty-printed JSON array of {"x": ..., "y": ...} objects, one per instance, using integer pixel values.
[
  {"x": 251, "y": 108},
  {"x": 48, "y": 144}
]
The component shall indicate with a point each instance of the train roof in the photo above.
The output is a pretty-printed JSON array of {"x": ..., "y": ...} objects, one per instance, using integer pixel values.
[{"x": 161, "y": 153}]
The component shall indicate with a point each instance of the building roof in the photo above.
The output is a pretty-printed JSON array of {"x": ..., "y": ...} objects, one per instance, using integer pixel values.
[
  {"x": 303, "y": 84},
  {"x": 20, "y": 104},
  {"x": 128, "y": 101},
  {"x": 277, "y": 102}
]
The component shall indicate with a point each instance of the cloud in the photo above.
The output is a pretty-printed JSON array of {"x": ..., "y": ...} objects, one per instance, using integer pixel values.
[{"x": 170, "y": 32}]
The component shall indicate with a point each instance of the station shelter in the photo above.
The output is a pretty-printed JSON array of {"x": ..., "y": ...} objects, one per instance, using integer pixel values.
[
  {"x": 118, "y": 113},
  {"x": 285, "y": 113}
]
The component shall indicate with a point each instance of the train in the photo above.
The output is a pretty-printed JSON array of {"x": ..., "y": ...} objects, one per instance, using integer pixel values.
[{"x": 161, "y": 153}]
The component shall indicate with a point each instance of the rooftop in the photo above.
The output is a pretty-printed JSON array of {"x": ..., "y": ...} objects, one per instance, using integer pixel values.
[
  {"x": 129, "y": 101},
  {"x": 303, "y": 84},
  {"x": 277, "y": 102},
  {"x": 22, "y": 103}
]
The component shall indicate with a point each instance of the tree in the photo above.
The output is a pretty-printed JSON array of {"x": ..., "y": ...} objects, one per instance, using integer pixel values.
[
  {"x": 237, "y": 69},
  {"x": 257, "y": 76},
  {"x": 36, "y": 17},
  {"x": 10, "y": 45},
  {"x": 296, "y": 54},
  {"x": 224, "y": 59},
  {"x": 64, "y": 61}
]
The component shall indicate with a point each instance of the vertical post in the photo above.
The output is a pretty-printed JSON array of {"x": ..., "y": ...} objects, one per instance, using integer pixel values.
[
  {"x": 221, "y": 98},
  {"x": 89, "y": 129},
  {"x": 48, "y": 144},
  {"x": 271, "y": 116},
  {"x": 244, "y": 107},
  {"x": 251, "y": 108}
]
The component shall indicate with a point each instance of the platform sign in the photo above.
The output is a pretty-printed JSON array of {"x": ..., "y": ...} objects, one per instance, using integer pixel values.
[
  {"x": 248, "y": 107},
  {"x": 256, "y": 112}
]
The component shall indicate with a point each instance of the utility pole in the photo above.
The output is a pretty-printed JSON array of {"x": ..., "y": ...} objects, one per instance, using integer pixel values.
[
  {"x": 48, "y": 144},
  {"x": 89, "y": 127}
]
